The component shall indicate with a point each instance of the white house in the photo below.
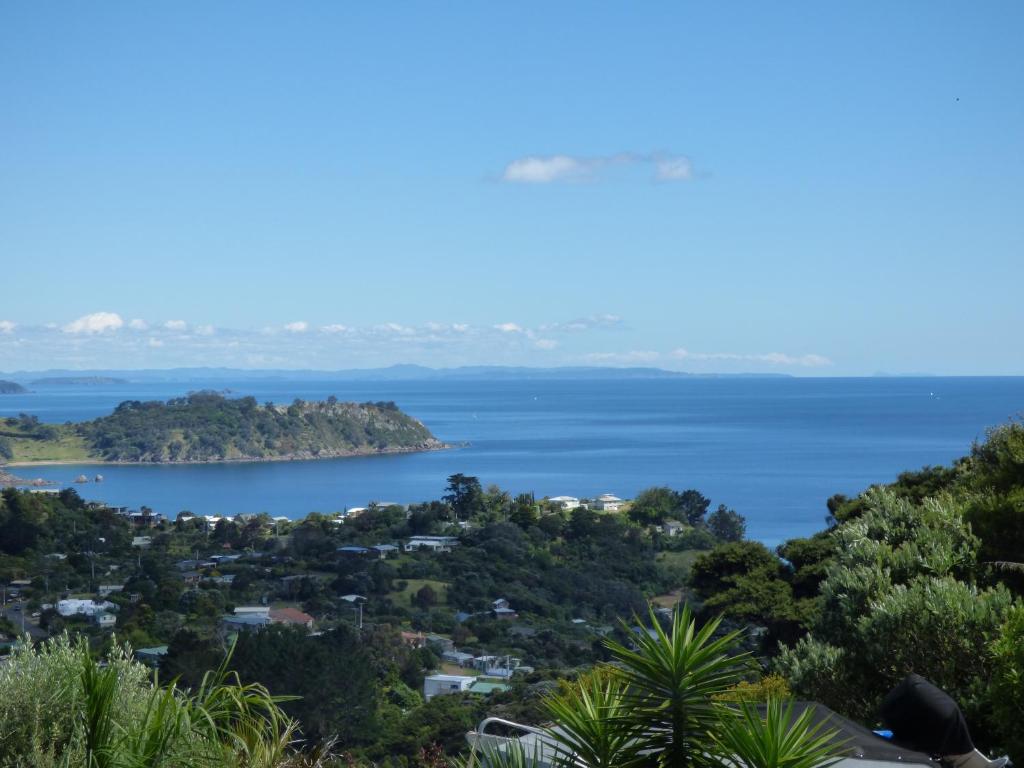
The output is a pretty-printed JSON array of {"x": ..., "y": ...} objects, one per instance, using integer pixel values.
[
  {"x": 440, "y": 685},
  {"x": 252, "y": 610},
  {"x": 672, "y": 527},
  {"x": 73, "y": 607},
  {"x": 105, "y": 620},
  {"x": 606, "y": 502},
  {"x": 432, "y": 543},
  {"x": 565, "y": 502}
]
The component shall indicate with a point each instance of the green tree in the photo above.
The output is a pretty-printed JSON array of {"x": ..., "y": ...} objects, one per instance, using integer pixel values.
[
  {"x": 524, "y": 511},
  {"x": 653, "y": 506},
  {"x": 425, "y": 597},
  {"x": 727, "y": 524},
  {"x": 898, "y": 598},
  {"x": 330, "y": 674},
  {"x": 464, "y": 495}
]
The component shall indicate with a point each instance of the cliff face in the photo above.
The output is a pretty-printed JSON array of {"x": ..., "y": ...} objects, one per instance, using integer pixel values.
[{"x": 11, "y": 388}]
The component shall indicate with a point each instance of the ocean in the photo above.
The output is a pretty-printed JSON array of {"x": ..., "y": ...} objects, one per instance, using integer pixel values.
[{"x": 772, "y": 449}]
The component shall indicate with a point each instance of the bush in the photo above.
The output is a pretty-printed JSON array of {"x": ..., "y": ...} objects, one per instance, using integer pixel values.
[{"x": 1007, "y": 684}]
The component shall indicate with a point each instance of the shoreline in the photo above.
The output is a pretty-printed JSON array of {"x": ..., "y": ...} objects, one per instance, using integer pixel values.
[{"x": 247, "y": 460}]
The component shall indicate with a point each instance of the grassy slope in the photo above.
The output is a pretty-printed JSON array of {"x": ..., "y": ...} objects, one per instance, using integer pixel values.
[
  {"x": 404, "y": 597},
  {"x": 69, "y": 446}
]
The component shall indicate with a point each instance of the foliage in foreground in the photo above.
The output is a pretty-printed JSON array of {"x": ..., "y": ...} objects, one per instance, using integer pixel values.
[
  {"x": 662, "y": 703},
  {"x": 59, "y": 707}
]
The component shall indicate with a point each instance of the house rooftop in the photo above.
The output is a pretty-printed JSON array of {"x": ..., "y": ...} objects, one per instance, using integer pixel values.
[{"x": 290, "y": 616}]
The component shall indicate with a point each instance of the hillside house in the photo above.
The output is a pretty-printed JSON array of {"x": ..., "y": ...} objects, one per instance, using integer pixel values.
[
  {"x": 353, "y": 551},
  {"x": 244, "y": 623},
  {"x": 384, "y": 551},
  {"x": 606, "y": 502},
  {"x": 441, "y": 685},
  {"x": 564, "y": 502},
  {"x": 104, "y": 620},
  {"x": 151, "y": 656},
  {"x": 672, "y": 527},
  {"x": 74, "y": 607},
  {"x": 431, "y": 543},
  {"x": 292, "y": 617},
  {"x": 457, "y": 657}
]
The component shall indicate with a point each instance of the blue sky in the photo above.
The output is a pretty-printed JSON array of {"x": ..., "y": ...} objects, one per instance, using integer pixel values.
[{"x": 811, "y": 188}]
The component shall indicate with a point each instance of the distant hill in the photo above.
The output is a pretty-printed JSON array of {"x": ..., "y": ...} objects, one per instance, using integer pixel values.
[
  {"x": 207, "y": 427},
  {"x": 77, "y": 381},
  {"x": 11, "y": 388},
  {"x": 401, "y": 373}
]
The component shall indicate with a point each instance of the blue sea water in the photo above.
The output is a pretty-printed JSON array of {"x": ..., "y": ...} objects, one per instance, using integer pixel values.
[{"x": 773, "y": 449}]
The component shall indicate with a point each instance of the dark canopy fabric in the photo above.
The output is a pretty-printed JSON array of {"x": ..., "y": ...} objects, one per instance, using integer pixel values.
[
  {"x": 858, "y": 741},
  {"x": 925, "y": 717}
]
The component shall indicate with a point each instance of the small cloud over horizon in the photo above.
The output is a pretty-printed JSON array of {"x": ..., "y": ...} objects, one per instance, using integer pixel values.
[
  {"x": 768, "y": 358},
  {"x": 564, "y": 168},
  {"x": 97, "y": 322},
  {"x": 106, "y": 340}
]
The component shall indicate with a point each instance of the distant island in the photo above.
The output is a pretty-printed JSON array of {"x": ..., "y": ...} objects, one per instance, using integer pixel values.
[
  {"x": 208, "y": 427},
  {"x": 403, "y": 372},
  {"x": 77, "y": 381},
  {"x": 11, "y": 388}
]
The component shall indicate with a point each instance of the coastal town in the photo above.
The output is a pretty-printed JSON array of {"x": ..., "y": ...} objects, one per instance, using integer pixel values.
[{"x": 248, "y": 561}]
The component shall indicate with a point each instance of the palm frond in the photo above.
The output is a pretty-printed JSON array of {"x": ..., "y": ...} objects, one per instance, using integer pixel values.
[{"x": 776, "y": 740}]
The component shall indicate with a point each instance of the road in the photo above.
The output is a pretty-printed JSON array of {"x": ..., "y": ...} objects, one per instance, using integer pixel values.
[{"x": 22, "y": 621}]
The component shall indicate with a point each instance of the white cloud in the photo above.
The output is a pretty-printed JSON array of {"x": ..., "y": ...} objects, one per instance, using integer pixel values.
[
  {"x": 299, "y": 326},
  {"x": 97, "y": 322},
  {"x": 460, "y": 327},
  {"x": 669, "y": 168},
  {"x": 334, "y": 328},
  {"x": 545, "y": 344},
  {"x": 155, "y": 343},
  {"x": 7, "y": 326},
  {"x": 205, "y": 330},
  {"x": 396, "y": 328},
  {"x": 175, "y": 325},
  {"x": 585, "y": 323},
  {"x": 549, "y": 169},
  {"x": 508, "y": 328},
  {"x": 544, "y": 170},
  {"x": 768, "y": 358},
  {"x": 137, "y": 324}
]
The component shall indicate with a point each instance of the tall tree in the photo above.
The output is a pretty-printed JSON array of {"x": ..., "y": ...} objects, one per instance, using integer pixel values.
[{"x": 464, "y": 495}]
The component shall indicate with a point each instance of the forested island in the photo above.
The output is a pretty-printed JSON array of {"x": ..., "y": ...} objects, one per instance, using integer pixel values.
[
  {"x": 11, "y": 388},
  {"x": 208, "y": 427}
]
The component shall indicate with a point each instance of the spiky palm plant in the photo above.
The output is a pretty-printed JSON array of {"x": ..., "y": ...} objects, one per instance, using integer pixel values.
[
  {"x": 670, "y": 679},
  {"x": 593, "y": 727},
  {"x": 776, "y": 739}
]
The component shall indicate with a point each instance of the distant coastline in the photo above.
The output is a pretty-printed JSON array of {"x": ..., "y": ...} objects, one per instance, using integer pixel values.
[
  {"x": 323, "y": 456},
  {"x": 76, "y": 381},
  {"x": 388, "y": 373}
]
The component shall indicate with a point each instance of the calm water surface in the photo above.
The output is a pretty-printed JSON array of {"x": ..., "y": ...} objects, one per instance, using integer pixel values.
[{"x": 773, "y": 449}]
